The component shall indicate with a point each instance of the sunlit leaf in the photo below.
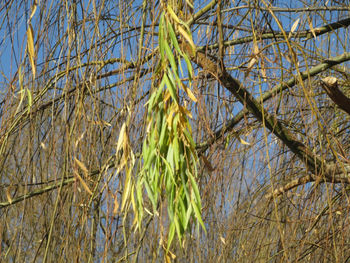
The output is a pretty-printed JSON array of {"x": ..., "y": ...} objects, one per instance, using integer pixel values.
[
  {"x": 8, "y": 195},
  {"x": 83, "y": 183},
  {"x": 223, "y": 240},
  {"x": 81, "y": 166},
  {"x": 311, "y": 28},
  {"x": 170, "y": 56},
  {"x": 198, "y": 215},
  {"x": 126, "y": 191},
  {"x": 171, "y": 234},
  {"x": 190, "y": 3},
  {"x": 178, "y": 228},
  {"x": 172, "y": 14},
  {"x": 189, "y": 66},
  {"x": 295, "y": 25},
  {"x": 185, "y": 112},
  {"x": 122, "y": 136},
  {"x": 151, "y": 195},
  {"x": 161, "y": 37},
  {"x": 173, "y": 38},
  {"x": 169, "y": 81},
  {"x": 189, "y": 93},
  {"x": 243, "y": 142},
  {"x": 30, "y": 48},
  {"x": 188, "y": 39}
]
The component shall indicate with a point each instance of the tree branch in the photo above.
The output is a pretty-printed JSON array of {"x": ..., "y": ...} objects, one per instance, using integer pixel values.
[
  {"x": 272, "y": 35},
  {"x": 326, "y": 64},
  {"x": 330, "y": 85},
  {"x": 314, "y": 163}
]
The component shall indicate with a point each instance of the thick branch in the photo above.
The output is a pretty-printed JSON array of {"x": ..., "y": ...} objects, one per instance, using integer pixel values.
[
  {"x": 273, "y": 92},
  {"x": 312, "y": 162},
  {"x": 292, "y": 184},
  {"x": 330, "y": 85}
]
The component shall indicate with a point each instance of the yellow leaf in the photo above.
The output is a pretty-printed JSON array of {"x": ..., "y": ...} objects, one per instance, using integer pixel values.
[
  {"x": 188, "y": 38},
  {"x": 30, "y": 48},
  {"x": 43, "y": 146},
  {"x": 105, "y": 123},
  {"x": 251, "y": 63},
  {"x": 172, "y": 14},
  {"x": 256, "y": 48},
  {"x": 190, "y": 3},
  {"x": 240, "y": 139},
  {"x": 185, "y": 112},
  {"x": 243, "y": 141},
  {"x": 166, "y": 96},
  {"x": 311, "y": 27},
  {"x": 295, "y": 25},
  {"x": 85, "y": 186},
  {"x": 121, "y": 137},
  {"x": 81, "y": 166},
  {"x": 223, "y": 240},
  {"x": 189, "y": 92},
  {"x": 8, "y": 195},
  {"x": 126, "y": 191}
]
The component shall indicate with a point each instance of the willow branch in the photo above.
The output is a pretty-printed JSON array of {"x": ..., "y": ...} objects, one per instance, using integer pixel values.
[
  {"x": 302, "y": 34},
  {"x": 53, "y": 186},
  {"x": 327, "y": 64},
  {"x": 313, "y": 162}
]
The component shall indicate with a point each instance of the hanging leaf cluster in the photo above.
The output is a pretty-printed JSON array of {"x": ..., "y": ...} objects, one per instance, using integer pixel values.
[{"x": 169, "y": 158}]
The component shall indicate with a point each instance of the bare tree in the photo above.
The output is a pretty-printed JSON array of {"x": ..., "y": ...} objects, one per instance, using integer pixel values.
[{"x": 188, "y": 131}]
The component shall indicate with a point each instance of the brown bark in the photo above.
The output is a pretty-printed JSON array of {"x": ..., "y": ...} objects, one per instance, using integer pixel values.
[{"x": 330, "y": 85}]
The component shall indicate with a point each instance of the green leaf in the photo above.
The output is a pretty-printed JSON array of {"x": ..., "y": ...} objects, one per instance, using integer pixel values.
[
  {"x": 198, "y": 214},
  {"x": 150, "y": 103},
  {"x": 170, "y": 55},
  {"x": 189, "y": 138},
  {"x": 159, "y": 91},
  {"x": 139, "y": 197},
  {"x": 170, "y": 171},
  {"x": 170, "y": 207},
  {"x": 151, "y": 195},
  {"x": 163, "y": 133},
  {"x": 30, "y": 100},
  {"x": 161, "y": 37},
  {"x": 195, "y": 189},
  {"x": 170, "y": 157},
  {"x": 171, "y": 234},
  {"x": 189, "y": 66},
  {"x": 173, "y": 38},
  {"x": 182, "y": 215},
  {"x": 150, "y": 158},
  {"x": 175, "y": 145},
  {"x": 145, "y": 150},
  {"x": 184, "y": 180},
  {"x": 171, "y": 86},
  {"x": 126, "y": 190},
  {"x": 177, "y": 227},
  {"x": 188, "y": 216}
]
